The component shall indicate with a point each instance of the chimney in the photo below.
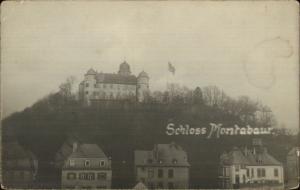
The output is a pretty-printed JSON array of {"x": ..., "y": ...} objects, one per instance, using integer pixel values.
[{"x": 75, "y": 145}]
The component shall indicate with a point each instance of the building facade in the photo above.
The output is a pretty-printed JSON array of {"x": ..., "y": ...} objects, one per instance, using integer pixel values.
[
  {"x": 19, "y": 166},
  {"x": 292, "y": 167},
  {"x": 250, "y": 168},
  {"x": 109, "y": 86},
  {"x": 86, "y": 167},
  {"x": 164, "y": 167}
]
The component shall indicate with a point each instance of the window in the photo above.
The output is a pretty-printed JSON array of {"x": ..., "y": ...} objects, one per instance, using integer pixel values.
[
  {"x": 150, "y": 173},
  {"x": 252, "y": 172},
  {"x": 174, "y": 161},
  {"x": 95, "y": 86},
  {"x": 160, "y": 185},
  {"x": 160, "y": 173},
  {"x": 71, "y": 176},
  {"x": 248, "y": 172},
  {"x": 87, "y": 163},
  {"x": 258, "y": 172},
  {"x": 111, "y": 86},
  {"x": 237, "y": 168},
  {"x": 87, "y": 92},
  {"x": 72, "y": 163},
  {"x": 170, "y": 173},
  {"x": 150, "y": 161},
  {"x": 263, "y": 172},
  {"x": 170, "y": 185},
  {"x": 102, "y": 163},
  {"x": 276, "y": 172},
  {"x": 91, "y": 176},
  {"x": 142, "y": 180},
  {"x": 104, "y": 85},
  {"x": 101, "y": 176},
  {"x": 86, "y": 84},
  {"x": 143, "y": 169}
]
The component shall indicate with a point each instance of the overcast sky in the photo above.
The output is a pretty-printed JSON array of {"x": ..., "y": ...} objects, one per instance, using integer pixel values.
[{"x": 246, "y": 48}]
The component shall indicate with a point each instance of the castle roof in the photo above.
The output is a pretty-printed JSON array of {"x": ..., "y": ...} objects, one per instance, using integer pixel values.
[
  {"x": 162, "y": 155},
  {"x": 143, "y": 74},
  {"x": 91, "y": 71},
  {"x": 115, "y": 78}
]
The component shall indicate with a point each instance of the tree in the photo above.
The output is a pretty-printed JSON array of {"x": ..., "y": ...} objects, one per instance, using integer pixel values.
[
  {"x": 198, "y": 96},
  {"x": 65, "y": 89}
]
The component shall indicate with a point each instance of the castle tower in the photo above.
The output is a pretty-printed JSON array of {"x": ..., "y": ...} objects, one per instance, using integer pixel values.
[
  {"x": 124, "y": 69},
  {"x": 88, "y": 85},
  {"x": 142, "y": 86}
]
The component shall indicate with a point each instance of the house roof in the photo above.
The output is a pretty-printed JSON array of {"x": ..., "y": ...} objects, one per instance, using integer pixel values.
[
  {"x": 88, "y": 151},
  {"x": 247, "y": 157},
  {"x": 162, "y": 155},
  {"x": 111, "y": 78}
]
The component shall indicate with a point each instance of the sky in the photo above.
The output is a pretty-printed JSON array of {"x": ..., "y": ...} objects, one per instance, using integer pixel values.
[{"x": 245, "y": 48}]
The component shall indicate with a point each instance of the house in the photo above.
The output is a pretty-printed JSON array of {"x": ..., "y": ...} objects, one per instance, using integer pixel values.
[
  {"x": 166, "y": 166},
  {"x": 98, "y": 86},
  {"x": 292, "y": 167},
  {"x": 86, "y": 167},
  {"x": 250, "y": 167},
  {"x": 19, "y": 166}
]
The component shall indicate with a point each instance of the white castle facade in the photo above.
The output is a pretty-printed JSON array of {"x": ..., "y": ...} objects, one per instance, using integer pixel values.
[{"x": 110, "y": 86}]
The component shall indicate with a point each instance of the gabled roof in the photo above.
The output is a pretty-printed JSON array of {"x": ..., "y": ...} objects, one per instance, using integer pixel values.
[
  {"x": 111, "y": 78},
  {"x": 237, "y": 156},
  {"x": 263, "y": 158},
  {"x": 162, "y": 155},
  {"x": 88, "y": 151}
]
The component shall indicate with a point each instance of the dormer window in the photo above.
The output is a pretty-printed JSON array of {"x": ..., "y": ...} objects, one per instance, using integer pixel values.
[
  {"x": 86, "y": 163},
  {"x": 102, "y": 163},
  {"x": 174, "y": 161},
  {"x": 72, "y": 163}
]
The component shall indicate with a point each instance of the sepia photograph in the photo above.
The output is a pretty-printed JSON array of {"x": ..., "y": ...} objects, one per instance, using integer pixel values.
[{"x": 149, "y": 94}]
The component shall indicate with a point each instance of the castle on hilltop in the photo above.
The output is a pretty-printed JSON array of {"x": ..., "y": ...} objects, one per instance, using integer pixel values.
[{"x": 110, "y": 86}]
